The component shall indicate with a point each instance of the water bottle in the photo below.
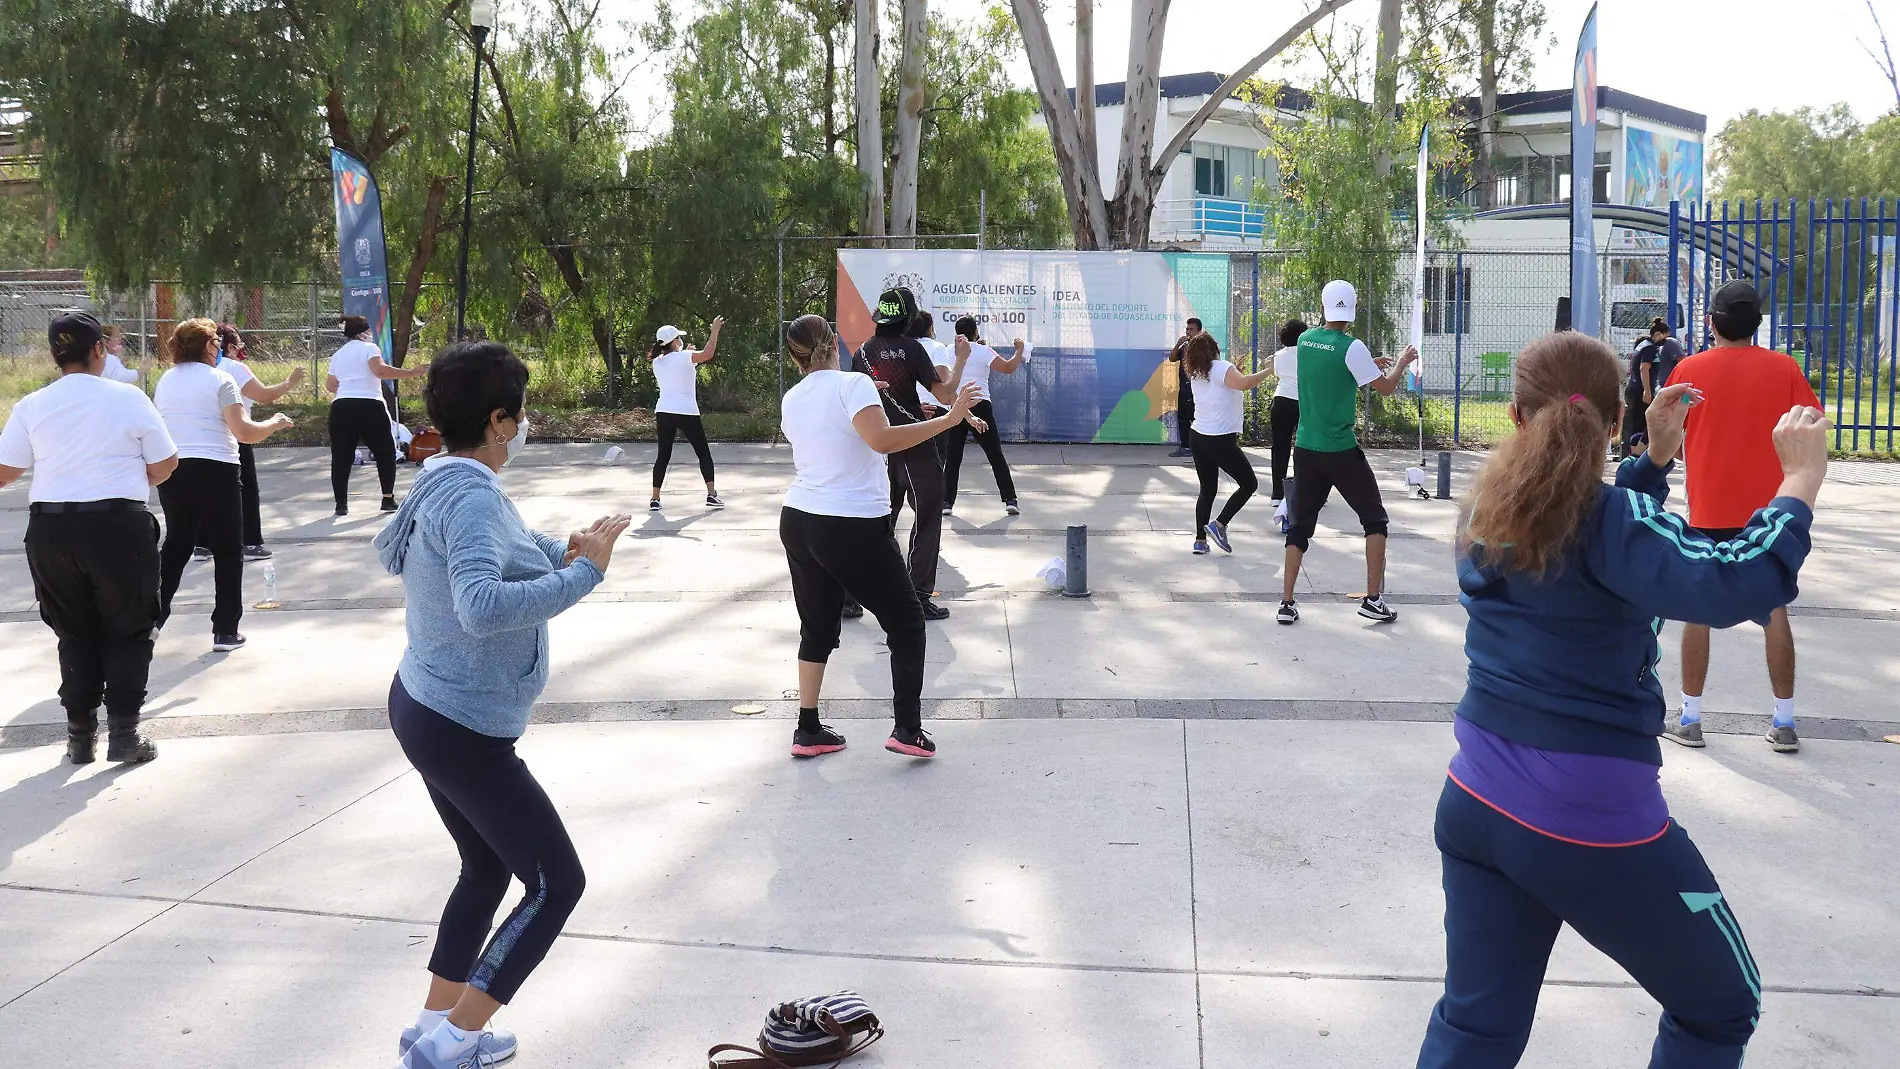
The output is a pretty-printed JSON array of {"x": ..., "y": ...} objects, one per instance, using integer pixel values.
[{"x": 270, "y": 586}]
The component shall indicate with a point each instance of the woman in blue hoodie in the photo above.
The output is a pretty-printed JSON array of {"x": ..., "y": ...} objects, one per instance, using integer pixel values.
[
  {"x": 1552, "y": 812},
  {"x": 480, "y": 587}
]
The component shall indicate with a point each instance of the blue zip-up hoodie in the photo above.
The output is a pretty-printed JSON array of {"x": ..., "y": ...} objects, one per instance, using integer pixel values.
[
  {"x": 480, "y": 588},
  {"x": 1567, "y": 661}
]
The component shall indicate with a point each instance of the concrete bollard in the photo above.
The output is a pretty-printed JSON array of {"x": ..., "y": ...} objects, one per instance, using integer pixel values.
[
  {"x": 1444, "y": 475},
  {"x": 1077, "y": 584}
]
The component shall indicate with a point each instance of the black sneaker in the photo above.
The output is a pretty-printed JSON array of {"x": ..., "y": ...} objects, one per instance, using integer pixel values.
[
  {"x": 342, "y": 511},
  {"x": 389, "y": 504},
  {"x": 79, "y": 748},
  {"x": 946, "y": 510},
  {"x": 1010, "y": 508},
  {"x": 201, "y": 553},
  {"x": 1184, "y": 451},
  {"x": 1376, "y": 610},
  {"x": 852, "y": 611},
  {"x": 135, "y": 750},
  {"x": 911, "y": 742},
  {"x": 256, "y": 553},
  {"x": 813, "y": 743},
  {"x": 227, "y": 643},
  {"x": 653, "y": 505},
  {"x": 713, "y": 502},
  {"x": 934, "y": 611},
  {"x": 1289, "y": 613}
]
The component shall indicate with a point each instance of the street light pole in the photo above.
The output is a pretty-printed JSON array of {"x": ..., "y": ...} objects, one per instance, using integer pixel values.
[{"x": 481, "y": 19}]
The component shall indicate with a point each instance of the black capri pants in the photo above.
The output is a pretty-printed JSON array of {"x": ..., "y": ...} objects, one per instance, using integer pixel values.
[
  {"x": 1283, "y": 419},
  {"x": 835, "y": 558},
  {"x": 671, "y": 425},
  {"x": 1213, "y": 454},
  {"x": 1315, "y": 475},
  {"x": 503, "y": 825},
  {"x": 354, "y": 420}
]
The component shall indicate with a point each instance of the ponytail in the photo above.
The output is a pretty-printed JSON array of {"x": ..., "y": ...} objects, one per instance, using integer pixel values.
[
  {"x": 807, "y": 339},
  {"x": 658, "y": 350},
  {"x": 1541, "y": 484}
]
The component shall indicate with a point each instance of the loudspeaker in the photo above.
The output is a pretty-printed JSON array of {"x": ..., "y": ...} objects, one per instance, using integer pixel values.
[{"x": 1563, "y": 313}]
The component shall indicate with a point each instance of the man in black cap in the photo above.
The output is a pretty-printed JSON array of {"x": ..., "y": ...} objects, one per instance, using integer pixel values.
[
  {"x": 899, "y": 365},
  {"x": 96, "y": 448}
]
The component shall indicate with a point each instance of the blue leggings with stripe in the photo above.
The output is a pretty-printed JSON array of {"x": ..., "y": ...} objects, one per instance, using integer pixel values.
[
  {"x": 503, "y": 825},
  {"x": 1654, "y": 908}
]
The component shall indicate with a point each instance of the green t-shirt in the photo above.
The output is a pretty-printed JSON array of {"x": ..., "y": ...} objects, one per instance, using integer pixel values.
[{"x": 1333, "y": 365}]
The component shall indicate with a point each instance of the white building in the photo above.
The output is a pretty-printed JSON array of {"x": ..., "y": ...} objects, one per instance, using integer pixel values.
[{"x": 1647, "y": 154}]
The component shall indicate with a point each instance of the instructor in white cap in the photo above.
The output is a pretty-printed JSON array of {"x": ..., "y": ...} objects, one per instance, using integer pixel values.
[
  {"x": 96, "y": 448},
  {"x": 676, "y": 369},
  {"x": 1333, "y": 365}
]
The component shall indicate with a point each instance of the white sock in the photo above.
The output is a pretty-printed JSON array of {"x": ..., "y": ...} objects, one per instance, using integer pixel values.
[
  {"x": 1691, "y": 708},
  {"x": 1784, "y": 712},
  {"x": 449, "y": 1040},
  {"x": 428, "y": 1019}
]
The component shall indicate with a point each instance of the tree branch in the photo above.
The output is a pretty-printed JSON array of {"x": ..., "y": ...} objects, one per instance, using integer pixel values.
[{"x": 1233, "y": 83}]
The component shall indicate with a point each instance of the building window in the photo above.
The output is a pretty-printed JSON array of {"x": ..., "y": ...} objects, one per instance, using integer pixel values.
[
  {"x": 1224, "y": 171},
  {"x": 1443, "y": 287}
]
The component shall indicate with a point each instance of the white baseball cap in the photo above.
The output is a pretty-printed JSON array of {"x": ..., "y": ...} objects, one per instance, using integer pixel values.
[
  {"x": 1339, "y": 301},
  {"x": 666, "y": 334}
]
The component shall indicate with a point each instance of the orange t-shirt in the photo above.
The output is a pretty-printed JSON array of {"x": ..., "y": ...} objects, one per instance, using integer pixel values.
[{"x": 1730, "y": 446}]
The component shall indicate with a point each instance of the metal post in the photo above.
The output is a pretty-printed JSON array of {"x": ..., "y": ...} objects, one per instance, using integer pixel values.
[
  {"x": 1675, "y": 251},
  {"x": 1444, "y": 475},
  {"x": 778, "y": 344},
  {"x": 1860, "y": 306},
  {"x": 480, "y": 33},
  {"x": 1254, "y": 330},
  {"x": 1076, "y": 584},
  {"x": 1457, "y": 344},
  {"x": 316, "y": 390},
  {"x": 982, "y": 216}
]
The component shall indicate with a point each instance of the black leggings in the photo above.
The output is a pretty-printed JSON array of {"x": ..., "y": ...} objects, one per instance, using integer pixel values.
[
  {"x": 1316, "y": 473},
  {"x": 838, "y": 557},
  {"x": 917, "y": 476},
  {"x": 202, "y": 501},
  {"x": 247, "y": 486},
  {"x": 354, "y": 420},
  {"x": 1635, "y": 414},
  {"x": 672, "y": 424},
  {"x": 1213, "y": 454},
  {"x": 503, "y": 825},
  {"x": 992, "y": 444},
  {"x": 1284, "y": 418}
]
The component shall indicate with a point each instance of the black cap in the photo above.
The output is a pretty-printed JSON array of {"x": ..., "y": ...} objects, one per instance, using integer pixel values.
[
  {"x": 1738, "y": 298},
  {"x": 895, "y": 307},
  {"x": 73, "y": 334}
]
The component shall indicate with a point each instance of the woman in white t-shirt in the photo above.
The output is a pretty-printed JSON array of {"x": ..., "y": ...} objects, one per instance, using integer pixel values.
[
  {"x": 358, "y": 414},
  {"x": 836, "y": 529},
  {"x": 202, "y": 410},
  {"x": 1283, "y": 416},
  {"x": 115, "y": 368},
  {"x": 232, "y": 354},
  {"x": 1219, "y": 391},
  {"x": 676, "y": 367},
  {"x": 983, "y": 360}
]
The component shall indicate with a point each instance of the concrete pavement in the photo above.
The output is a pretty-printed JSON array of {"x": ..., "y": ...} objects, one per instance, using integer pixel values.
[{"x": 1225, "y": 861}]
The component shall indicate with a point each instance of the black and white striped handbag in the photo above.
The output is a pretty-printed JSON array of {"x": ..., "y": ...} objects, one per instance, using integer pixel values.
[{"x": 824, "y": 1030}]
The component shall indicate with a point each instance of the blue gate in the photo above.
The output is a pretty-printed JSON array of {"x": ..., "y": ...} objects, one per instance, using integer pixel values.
[{"x": 1829, "y": 275}]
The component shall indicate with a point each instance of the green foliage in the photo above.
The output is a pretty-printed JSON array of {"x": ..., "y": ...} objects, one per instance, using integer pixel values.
[
  {"x": 1809, "y": 152},
  {"x": 23, "y": 226},
  {"x": 1335, "y": 209}
]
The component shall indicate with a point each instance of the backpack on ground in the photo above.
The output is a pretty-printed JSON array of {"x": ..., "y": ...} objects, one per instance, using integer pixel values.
[
  {"x": 824, "y": 1030},
  {"x": 426, "y": 443}
]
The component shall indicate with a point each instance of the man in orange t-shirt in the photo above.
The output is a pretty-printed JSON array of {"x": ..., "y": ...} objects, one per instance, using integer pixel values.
[{"x": 1733, "y": 471}]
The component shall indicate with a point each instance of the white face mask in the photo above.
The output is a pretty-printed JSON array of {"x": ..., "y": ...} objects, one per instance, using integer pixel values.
[{"x": 519, "y": 440}]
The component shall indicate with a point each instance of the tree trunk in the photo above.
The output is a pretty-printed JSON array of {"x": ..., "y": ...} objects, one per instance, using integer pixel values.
[
  {"x": 1485, "y": 167},
  {"x": 569, "y": 265},
  {"x": 404, "y": 321},
  {"x": 1134, "y": 194},
  {"x": 910, "y": 124},
  {"x": 832, "y": 133},
  {"x": 1385, "y": 78},
  {"x": 1081, "y": 181},
  {"x": 870, "y": 121},
  {"x": 1085, "y": 77}
]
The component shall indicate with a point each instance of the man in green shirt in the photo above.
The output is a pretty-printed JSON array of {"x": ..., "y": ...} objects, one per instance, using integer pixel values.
[{"x": 1333, "y": 365}]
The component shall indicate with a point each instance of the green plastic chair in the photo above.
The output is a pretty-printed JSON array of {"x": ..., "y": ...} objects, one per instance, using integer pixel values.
[{"x": 1496, "y": 373}]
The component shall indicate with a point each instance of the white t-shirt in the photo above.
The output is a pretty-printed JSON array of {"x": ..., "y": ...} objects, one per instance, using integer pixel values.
[
  {"x": 86, "y": 439},
  {"x": 1359, "y": 361},
  {"x": 240, "y": 375},
  {"x": 943, "y": 358},
  {"x": 1286, "y": 366},
  {"x": 838, "y": 473},
  {"x": 977, "y": 369},
  {"x": 117, "y": 371},
  {"x": 192, "y": 399},
  {"x": 1217, "y": 406},
  {"x": 679, "y": 383},
  {"x": 350, "y": 367}
]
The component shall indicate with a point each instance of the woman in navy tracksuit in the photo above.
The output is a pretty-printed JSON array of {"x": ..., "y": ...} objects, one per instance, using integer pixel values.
[{"x": 1552, "y": 811}]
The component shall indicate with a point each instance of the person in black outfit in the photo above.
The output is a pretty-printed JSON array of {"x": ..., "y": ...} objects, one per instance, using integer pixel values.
[
  {"x": 898, "y": 364},
  {"x": 96, "y": 447},
  {"x": 1650, "y": 365},
  {"x": 1184, "y": 408},
  {"x": 983, "y": 421}
]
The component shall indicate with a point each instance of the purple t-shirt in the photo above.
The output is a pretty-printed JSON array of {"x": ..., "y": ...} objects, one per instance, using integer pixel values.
[{"x": 1588, "y": 799}]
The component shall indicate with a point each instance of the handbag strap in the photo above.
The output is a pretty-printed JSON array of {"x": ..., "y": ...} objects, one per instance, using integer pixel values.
[{"x": 758, "y": 1059}]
